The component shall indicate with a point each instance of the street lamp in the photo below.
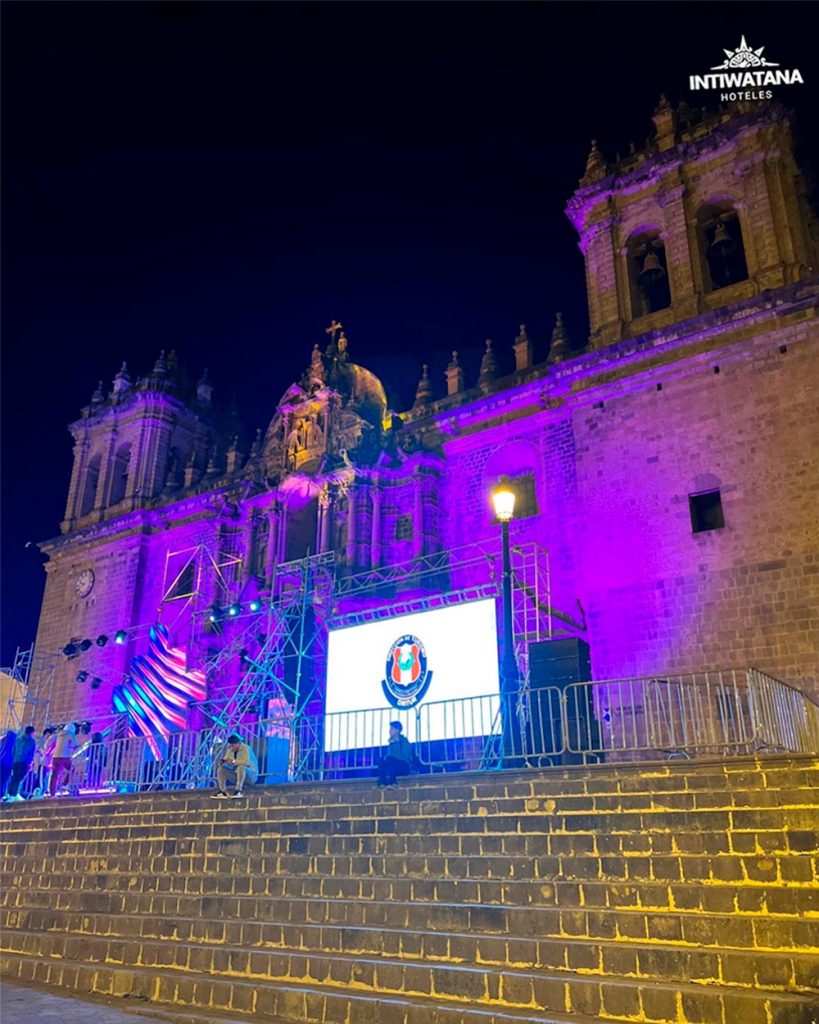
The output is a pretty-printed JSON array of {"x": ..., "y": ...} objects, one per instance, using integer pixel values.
[{"x": 503, "y": 501}]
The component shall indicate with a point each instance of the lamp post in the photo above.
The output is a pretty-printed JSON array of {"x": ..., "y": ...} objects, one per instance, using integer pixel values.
[{"x": 503, "y": 501}]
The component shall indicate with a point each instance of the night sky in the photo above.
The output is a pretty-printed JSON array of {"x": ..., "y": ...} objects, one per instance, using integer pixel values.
[{"x": 223, "y": 179}]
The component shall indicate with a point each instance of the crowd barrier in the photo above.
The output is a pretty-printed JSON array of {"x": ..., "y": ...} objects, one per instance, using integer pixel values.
[{"x": 716, "y": 714}]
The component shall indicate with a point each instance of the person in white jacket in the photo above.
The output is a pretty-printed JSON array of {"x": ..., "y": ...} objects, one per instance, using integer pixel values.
[
  {"x": 61, "y": 763},
  {"x": 238, "y": 765}
]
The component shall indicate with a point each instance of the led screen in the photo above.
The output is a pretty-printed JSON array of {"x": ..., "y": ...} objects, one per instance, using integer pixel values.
[{"x": 412, "y": 668}]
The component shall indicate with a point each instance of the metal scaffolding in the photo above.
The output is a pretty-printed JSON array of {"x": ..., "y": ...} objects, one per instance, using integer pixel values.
[{"x": 33, "y": 673}]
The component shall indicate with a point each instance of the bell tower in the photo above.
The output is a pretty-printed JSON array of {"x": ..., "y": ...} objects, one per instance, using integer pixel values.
[{"x": 712, "y": 211}]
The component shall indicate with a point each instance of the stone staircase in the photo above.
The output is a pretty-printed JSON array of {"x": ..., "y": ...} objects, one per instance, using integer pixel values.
[{"x": 679, "y": 893}]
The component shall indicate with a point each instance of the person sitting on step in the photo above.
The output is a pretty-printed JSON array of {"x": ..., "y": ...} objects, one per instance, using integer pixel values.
[
  {"x": 238, "y": 765},
  {"x": 399, "y": 758}
]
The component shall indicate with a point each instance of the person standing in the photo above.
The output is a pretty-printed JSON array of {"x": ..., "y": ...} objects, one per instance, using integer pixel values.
[
  {"x": 6, "y": 758},
  {"x": 42, "y": 760},
  {"x": 399, "y": 757},
  {"x": 24, "y": 748},
  {"x": 239, "y": 766},
  {"x": 64, "y": 749}
]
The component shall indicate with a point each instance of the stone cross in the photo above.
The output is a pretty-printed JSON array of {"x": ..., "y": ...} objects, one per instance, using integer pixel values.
[{"x": 333, "y": 330}]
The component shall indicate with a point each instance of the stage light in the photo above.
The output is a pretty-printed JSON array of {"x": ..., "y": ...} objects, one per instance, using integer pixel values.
[
  {"x": 85, "y": 645},
  {"x": 96, "y": 683},
  {"x": 234, "y": 610},
  {"x": 214, "y": 614},
  {"x": 71, "y": 650},
  {"x": 102, "y": 640},
  {"x": 82, "y": 676},
  {"x": 120, "y": 636},
  {"x": 255, "y": 605}
]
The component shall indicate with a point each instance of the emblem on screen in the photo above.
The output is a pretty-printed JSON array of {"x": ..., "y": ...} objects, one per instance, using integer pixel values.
[{"x": 406, "y": 677}]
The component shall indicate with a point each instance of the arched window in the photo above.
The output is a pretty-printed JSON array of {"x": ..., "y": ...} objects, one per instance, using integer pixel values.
[
  {"x": 119, "y": 474},
  {"x": 721, "y": 245},
  {"x": 89, "y": 491},
  {"x": 519, "y": 463},
  {"x": 648, "y": 273}
]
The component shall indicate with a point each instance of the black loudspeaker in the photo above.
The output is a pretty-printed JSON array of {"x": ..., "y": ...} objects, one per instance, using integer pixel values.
[{"x": 555, "y": 665}]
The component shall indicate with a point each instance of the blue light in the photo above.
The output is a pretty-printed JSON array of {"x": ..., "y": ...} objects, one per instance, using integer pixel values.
[
  {"x": 255, "y": 605},
  {"x": 234, "y": 610}
]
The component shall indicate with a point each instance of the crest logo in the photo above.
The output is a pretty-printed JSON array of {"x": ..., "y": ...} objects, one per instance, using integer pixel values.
[
  {"x": 743, "y": 57},
  {"x": 747, "y": 70},
  {"x": 406, "y": 675}
]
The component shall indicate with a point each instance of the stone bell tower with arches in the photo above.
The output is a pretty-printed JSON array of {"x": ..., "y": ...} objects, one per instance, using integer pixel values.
[{"x": 712, "y": 212}]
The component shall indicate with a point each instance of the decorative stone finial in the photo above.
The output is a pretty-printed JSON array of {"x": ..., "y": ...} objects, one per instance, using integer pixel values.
[
  {"x": 99, "y": 395},
  {"x": 342, "y": 346},
  {"x": 595, "y": 166},
  {"x": 161, "y": 366},
  {"x": 524, "y": 350},
  {"x": 204, "y": 389},
  {"x": 121, "y": 383},
  {"x": 315, "y": 375},
  {"x": 423, "y": 393},
  {"x": 665, "y": 122},
  {"x": 256, "y": 447},
  {"x": 489, "y": 365},
  {"x": 454, "y": 376},
  {"x": 191, "y": 471},
  {"x": 234, "y": 455},
  {"x": 213, "y": 463},
  {"x": 559, "y": 349}
]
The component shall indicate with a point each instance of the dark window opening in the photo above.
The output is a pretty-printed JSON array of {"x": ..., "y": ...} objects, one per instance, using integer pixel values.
[
  {"x": 706, "y": 511},
  {"x": 119, "y": 474},
  {"x": 525, "y": 496},
  {"x": 89, "y": 494},
  {"x": 403, "y": 528},
  {"x": 648, "y": 275},
  {"x": 724, "y": 248}
]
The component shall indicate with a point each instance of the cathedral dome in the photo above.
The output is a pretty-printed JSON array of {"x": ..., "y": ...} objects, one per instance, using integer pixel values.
[{"x": 367, "y": 395}]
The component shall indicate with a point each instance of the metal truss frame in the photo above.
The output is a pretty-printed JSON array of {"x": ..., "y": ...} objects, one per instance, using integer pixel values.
[{"x": 34, "y": 671}]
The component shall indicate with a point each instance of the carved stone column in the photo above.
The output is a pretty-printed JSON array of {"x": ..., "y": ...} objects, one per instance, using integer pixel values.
[
  {"x": 273, "y": 517},
  {"x": 325, "y": 513},
  {"x": 72, "y": 505},
  {"x": 352, "y": 501},
  {"x": 375, "y": 535}
]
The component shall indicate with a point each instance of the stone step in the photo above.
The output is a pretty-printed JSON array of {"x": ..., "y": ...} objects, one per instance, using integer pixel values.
[
  {"x": 246, "y": 821},
  {"x": 691, "y": 927},
  {"x": 772, "y": 868},
  {"x": 751, "y": 778},
  {"x": 747, "y": 897},
  {"x": 205, "y": 853},
  {"x": 517, "y": 989},
  {"x": 297, "y": 1004},
  {"x": 117, "y": 812},
  {"x": 792, "y": 970}
]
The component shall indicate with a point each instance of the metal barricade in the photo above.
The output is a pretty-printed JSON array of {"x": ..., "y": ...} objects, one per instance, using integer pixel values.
[
  {"x": 785, "y": 719},
  {"x": 463, "y": 732},
  {"x": 721, "y": 713}
]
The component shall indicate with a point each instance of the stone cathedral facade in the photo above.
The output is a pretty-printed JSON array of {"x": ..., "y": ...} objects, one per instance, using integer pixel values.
[{"x": 670, "y": 465}]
